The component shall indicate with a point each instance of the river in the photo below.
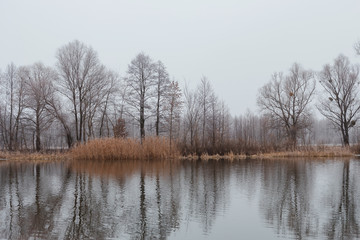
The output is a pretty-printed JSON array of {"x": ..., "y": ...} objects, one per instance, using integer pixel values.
[{"x": 247, "y": 199}]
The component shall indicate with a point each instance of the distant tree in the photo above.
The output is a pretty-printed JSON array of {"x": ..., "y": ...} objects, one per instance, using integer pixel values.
[
  {"x": 120, "y": 129},
  {"x": 172, "y": 108},
  {"x": 340, "y": 102},
  {"x": 224, "y": 127},
  {"x": 214, "y": 122},
  {"x": 9, "y": 84},
  {"x": 191, "y": 118},
  {"x": 285, "y": 100},
  {"x": 204, "y": 96},
  {"x": 38, "y": 88},
  {"x": 357, "y": 47},
  {"x": 13, "y": 105},
  {"x": 140, "y": 80},
  {"x": 82, "y": 78},
  {"x": 108, "y": 100},
  {"x": 98, "y": 100},
  {"x": 162, "y": 83},
  {"x": 55, "y": 107}
]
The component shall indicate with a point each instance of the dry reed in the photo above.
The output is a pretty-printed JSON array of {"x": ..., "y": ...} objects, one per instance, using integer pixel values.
[
  {"x": 152, "y": 148},
  {"x": 315, "y": 152},
  {"x": 32, "y": 157}
]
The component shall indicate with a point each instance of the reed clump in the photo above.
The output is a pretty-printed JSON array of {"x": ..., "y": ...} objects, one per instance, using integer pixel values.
[
  {"x": 152, "y": 148},
  {"x": 313, "y": 152},
  {"x": 32, "y": 156}
]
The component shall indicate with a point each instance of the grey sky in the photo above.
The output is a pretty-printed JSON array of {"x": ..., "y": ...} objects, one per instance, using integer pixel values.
[{"x": 236, "y": 44}]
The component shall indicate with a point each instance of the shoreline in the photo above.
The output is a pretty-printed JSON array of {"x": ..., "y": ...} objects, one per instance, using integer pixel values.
[{"x": 324, "y": 152}]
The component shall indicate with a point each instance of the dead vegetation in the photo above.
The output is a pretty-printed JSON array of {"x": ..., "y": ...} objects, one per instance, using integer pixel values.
[
  {"x": 152, "y": 148},
  {"x": 157, "y": 148},
  {"x": 311, "y": 152},
  {"x": 308, "y": 152},
  {"x": 33, "y": 156}
]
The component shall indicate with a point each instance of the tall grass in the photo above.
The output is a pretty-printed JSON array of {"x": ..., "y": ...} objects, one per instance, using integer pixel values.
[
  {"x": 311, "y": 152},
  {"x": 32, "y": 156},
  {"x": 152, "y": 148}
]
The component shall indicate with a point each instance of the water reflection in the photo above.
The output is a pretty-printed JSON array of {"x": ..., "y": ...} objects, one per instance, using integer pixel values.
[
  {"x": 159, "y": 200},
  {"x": 312, "y": 199}
]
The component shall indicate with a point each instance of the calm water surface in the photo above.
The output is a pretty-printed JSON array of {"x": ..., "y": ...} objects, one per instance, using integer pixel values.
[{"x": 249, "y": 199}]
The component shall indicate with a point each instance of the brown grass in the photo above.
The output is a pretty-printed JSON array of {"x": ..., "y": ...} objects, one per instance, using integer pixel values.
[
  {"x": 206, "y": 157},
  {"x": 32, "y": 157},
  {"x": 314, "y": 152},
  {"x": 153, "y": 148},
  {"x": 309, "y": 152}
]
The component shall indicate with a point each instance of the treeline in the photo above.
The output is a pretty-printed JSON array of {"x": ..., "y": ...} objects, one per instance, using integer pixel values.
[{"x": 80, "y": 99}]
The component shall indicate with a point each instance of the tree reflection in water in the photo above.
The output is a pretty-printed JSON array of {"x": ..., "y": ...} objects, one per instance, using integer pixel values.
[
  {"x": 312, "y": 199},
  {"x": 151, "y": 200}
]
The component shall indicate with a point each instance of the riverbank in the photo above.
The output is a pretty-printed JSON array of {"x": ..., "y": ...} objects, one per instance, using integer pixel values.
[
  {"x": 33, "y": 156},
  {"x": 308, "y": 152},
  {"x": 158, "y": 149}
]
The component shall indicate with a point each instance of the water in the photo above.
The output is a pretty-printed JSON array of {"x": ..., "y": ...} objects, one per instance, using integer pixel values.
[{"x": 248, "y": 199}]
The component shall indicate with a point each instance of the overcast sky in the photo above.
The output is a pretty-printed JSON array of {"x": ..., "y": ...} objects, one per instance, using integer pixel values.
[{"x": 236, "y": 44}]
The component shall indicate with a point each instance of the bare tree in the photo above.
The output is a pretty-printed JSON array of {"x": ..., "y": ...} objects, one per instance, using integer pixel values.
[
  {"x": 98, "y": 101},
  {"x": 214, "y": 123},
  {"x": 81, "y": 77},
  {"x": 140, "y": 80},
  {"x": 162, "y": 84},
  {"x": 13, "y": 82},
  {"x": 108, "y": 99},
  {"x": 120, "y": 129},
  {"x": 172, "y": 108},
  {"x": 224, "y": 127},
  {"x": 7, "y": 116},
  {"x": 285, "y": 100},
  {"x": 54, "y": 105},
  {"x": 340, "y": 102},
  {"x": 192, "y": 116},
  {"x": 205, "y": 91},
  {"x": 357, "y": 47},
  {"x": 38, "y": 88}
]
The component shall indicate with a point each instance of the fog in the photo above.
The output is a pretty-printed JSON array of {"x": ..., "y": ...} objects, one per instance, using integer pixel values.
[{"x": 236, "y": 44}]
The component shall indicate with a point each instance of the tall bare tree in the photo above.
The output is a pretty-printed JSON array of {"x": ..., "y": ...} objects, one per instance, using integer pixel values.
[
  {"x": 191, "y": 118},
  {"x": 13, "y": 81},
  {"x": 9, "y": 79},
  {"x": 140, "y": 81},
  {"x": 109, "y": 94},
  {"x": 214, "y": 123},
  {"x": 98, "y": 101},
  {"x": 81, "y": 77},
  {"x": 162, "y": 84},
  {"x": 205, "y": 91},
  {"x": 38, "y": 88},
  {"x": 285, "y": 100},
  {"x": 55, "y": 106},
  {"x": 172, "y": 109},
  {"x": 340, "y": 102}
]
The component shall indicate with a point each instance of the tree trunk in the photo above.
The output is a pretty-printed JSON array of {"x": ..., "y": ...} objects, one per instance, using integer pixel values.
[
  {"x": 142, "y": 121},
  {"x": 37, "y": 137},
  {"x": 157, "y": 113}
]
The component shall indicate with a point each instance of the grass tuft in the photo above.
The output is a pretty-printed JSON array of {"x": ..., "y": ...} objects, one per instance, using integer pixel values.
[
  {"x": 314, "y": 152},
  {"x": 32, "y": 156},
  {"x": 152, "y": 148}
]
